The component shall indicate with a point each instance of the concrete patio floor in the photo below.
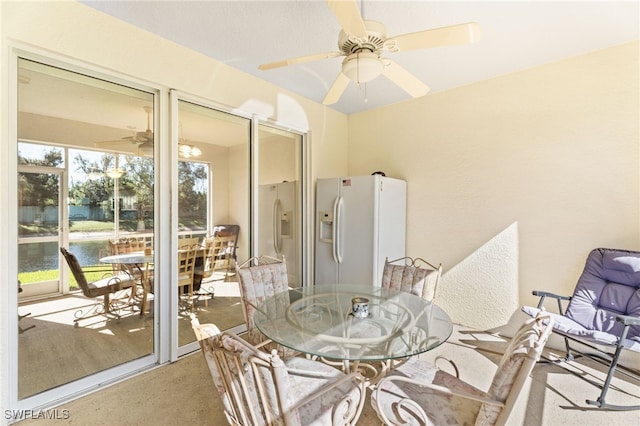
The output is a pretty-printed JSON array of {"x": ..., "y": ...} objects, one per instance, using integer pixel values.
[{"x": 183, "y": 393}]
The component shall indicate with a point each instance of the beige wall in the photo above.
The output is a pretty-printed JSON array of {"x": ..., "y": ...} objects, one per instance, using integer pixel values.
[{"x": 512, "y": 181}]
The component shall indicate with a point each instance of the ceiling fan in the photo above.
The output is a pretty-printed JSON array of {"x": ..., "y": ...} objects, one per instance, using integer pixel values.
[
  {"x": 362, "y": 43},
  {"x": 144, "y": 140}
]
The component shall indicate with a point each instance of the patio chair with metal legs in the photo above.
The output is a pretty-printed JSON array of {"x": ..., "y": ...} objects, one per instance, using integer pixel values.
[
  {"x": 259, "y": 388},
  {"x": 418, "y": 393},
  {"x": 108, "y": 285},
  {"x": 603, "y": 315}
]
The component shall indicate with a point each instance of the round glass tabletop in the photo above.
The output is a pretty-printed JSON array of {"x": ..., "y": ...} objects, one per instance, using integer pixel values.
[{"x": 353, "y": 322}]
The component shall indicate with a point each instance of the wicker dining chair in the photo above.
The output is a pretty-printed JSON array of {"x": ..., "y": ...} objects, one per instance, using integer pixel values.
[
  {"x": 413, "y": 275},
  {"x": 259, "y": 388},
  {"x": 186, "y": 267},
  {"x": 418, "y": 393},
  {"x": 258, "y": 279}
]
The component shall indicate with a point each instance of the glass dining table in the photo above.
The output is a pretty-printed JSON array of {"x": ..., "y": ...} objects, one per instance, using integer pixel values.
[{"x": 353, "y": 322}]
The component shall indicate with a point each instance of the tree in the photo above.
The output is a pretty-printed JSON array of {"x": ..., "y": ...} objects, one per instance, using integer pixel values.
[
  {"x": 97, "y": 188},
  {"x": 40, "y": 189},
  {"x": 138, "y": 180},
  {"x": 192, "y": 196}
]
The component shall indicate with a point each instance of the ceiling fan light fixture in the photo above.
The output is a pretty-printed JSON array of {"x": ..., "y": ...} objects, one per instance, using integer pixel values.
[
  {"x": 362, "y": 66},
  {"x": 188, "y": 151},
  {"x": 115, "y": 173}
]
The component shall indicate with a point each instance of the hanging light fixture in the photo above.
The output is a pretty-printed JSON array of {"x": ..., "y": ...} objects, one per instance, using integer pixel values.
[
  {"x": 184, "y": 149},
  {"x": 188, "y": 151},
  {"x": 362, "y": 66},
  {"x": 115, "y": 173}
]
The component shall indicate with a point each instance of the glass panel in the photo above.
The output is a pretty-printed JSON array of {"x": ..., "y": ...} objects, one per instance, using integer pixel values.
[
  {"x": 37, "y": 262},
  {"x": 38, "y": 229},
  {"x": 90, "y": 193},
  {"x": 30, "y": 154},
  {"x": 135, "y": 177},
  {"x": 279, "y": 198},
  {"x": 213, "y": 197},
  {"x": 77, "y": 133}
]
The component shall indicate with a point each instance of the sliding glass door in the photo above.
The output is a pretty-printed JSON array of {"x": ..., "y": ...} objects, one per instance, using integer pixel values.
[
  {"x": 85, "y": 180},
  {"x": 96, "y": 177},
  {"x": 213, "y": 215}
]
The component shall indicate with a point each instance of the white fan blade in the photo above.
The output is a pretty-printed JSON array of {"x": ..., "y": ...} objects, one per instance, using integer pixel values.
[
  {"x": 349, "y": 17},
  {"x": 336, "y": 90},
  {"x": 118, "y": 142},
  {"x": 299, "y": 60},
  {"x": 444, "y": 36},
  {"x": 404, "y": 79}
]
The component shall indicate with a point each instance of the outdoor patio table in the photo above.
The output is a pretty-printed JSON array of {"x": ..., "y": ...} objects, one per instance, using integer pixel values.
[
  {"x": 319, "y": 320},
  {"x": 140, "y": 261}
]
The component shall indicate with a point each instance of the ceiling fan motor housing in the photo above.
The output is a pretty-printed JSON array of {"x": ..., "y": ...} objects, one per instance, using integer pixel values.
[{"x": 376, "y": 37}]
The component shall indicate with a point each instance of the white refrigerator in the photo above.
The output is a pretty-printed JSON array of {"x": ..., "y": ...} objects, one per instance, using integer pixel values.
[
  {"x": 360, "y": 221},
  {"x": 277, "y": 225}
]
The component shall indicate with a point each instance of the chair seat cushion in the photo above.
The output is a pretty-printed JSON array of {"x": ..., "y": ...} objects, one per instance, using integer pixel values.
[
  {"x": 609, "y": 286},
  {"x": 567, "y": 327},
  {"x": 440, "y": 409},
  {"x": 111, "y": 283},
  {"x": 303, "y": 379}
]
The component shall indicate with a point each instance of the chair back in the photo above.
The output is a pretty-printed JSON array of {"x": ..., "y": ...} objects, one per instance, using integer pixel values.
[
  {"x": 77, "y": 272},
  {"x": 187, "y": 243},
  {"x": 259, "y": 279},
  {"x": 205, "y": 270},
  {"x": 253, "y": 385},
  {"x": 609, "y": 286},
  {"x": 228, "y": 233},
  {"x": 514, "y": 368},
  {"x": 186, "y": 265},
  {"x": 415, "y": 276},
  {"x": 127, "y": 245}
]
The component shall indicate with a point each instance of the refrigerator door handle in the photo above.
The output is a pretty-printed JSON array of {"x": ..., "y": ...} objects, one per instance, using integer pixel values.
[
  {"x": 337, "y": 238},
  {"x": 334, "y": 230},
  {"x": 276, "y": 228}
]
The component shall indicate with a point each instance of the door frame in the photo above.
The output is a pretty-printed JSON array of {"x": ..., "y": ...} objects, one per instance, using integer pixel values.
[{"x": 53, "y": 287}]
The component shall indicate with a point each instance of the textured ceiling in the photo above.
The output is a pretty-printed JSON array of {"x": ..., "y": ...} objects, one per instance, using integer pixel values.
[{"x": 516, "y": 35}]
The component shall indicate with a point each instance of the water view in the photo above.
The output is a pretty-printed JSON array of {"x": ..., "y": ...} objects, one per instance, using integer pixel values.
[{"x": 33, "y": 257}]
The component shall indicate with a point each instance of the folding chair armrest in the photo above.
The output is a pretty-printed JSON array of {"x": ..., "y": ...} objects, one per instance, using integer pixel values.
[
  {"x": 544, "y": 294},
  {"x": 628, "y": 320},
  {"x": 540, "y": 293}
]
